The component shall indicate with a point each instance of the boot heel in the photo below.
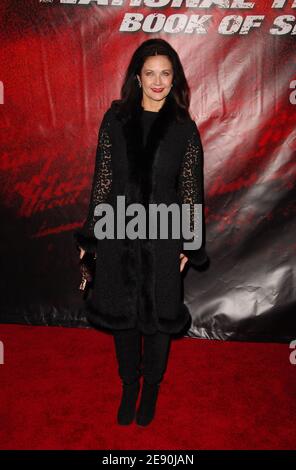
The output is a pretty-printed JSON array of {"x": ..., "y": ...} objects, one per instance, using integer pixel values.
[
  {"x": 147, "y": 407},
  {"x": 127, "y": 408}
]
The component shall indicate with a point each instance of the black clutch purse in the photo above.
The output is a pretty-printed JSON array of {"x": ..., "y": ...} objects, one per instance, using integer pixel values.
[{"x": 87, "y": 266}]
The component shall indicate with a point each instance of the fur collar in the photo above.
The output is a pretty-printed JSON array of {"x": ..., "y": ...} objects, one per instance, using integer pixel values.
[
  {"x": 140, "y": 188},
  {"x": 141, "y": 158}
]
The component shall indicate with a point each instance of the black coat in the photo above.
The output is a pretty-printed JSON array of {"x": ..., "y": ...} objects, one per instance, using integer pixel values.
[{"x": 138, "y": 282}]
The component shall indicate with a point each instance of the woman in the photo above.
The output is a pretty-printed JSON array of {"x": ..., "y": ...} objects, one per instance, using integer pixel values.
[{"x": 149, "y": 151}]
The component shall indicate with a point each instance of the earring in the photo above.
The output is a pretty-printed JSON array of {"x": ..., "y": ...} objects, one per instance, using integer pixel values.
[{"x": 139, "y": 82}]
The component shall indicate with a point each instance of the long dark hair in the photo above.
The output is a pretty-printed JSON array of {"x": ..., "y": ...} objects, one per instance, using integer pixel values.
[{"x": 131, "y": 93}]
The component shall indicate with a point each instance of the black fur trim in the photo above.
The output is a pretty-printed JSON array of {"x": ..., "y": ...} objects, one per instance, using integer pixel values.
[
  {"x": 88, "y": 244},
  {"x": 196, "y": 257},
  {"x": 108, "y": 320},
  {"x": 175, "y": 325},
  {"x": 140, "y": 189}
]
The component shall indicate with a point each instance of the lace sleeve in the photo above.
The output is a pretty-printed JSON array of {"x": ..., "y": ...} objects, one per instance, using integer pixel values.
[
  {"x": 190, "y": 188},
  {"x": 101, "y": 185}
]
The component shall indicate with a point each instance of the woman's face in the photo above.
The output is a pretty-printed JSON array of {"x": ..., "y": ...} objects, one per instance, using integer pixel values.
[{"x": 156, "y": 77}]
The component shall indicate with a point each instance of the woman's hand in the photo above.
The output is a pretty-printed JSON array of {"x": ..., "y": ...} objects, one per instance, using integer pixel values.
[
  {"x": 184, "y": 260},
  {"x": 82, "y": 251}
]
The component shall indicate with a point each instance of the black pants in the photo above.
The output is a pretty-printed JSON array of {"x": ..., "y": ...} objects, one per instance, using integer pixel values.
[{"x": 132, "y": 364}]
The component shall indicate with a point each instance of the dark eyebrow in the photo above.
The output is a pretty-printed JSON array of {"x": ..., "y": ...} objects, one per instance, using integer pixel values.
[{"x": 164, "y": 70}]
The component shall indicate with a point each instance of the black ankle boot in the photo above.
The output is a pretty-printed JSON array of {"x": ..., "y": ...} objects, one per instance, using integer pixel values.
[
  {"x": 127, "y": 408},
  {"x": 146, "y": 410}
]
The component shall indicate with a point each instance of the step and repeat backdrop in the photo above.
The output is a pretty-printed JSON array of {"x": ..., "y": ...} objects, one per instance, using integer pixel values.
[{"x": 62, "y": 64}]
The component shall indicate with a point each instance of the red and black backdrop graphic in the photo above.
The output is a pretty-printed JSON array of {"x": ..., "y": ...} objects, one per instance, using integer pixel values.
[{"x": 62, "y": 63}]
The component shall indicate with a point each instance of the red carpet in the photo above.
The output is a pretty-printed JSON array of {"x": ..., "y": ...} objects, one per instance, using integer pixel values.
[{"x": 60, "y": 390}]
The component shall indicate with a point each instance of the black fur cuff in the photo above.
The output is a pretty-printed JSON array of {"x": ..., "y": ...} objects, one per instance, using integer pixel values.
[
  {"x": 87, "y": 243},
  {"x": 196, "y": 257}
]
